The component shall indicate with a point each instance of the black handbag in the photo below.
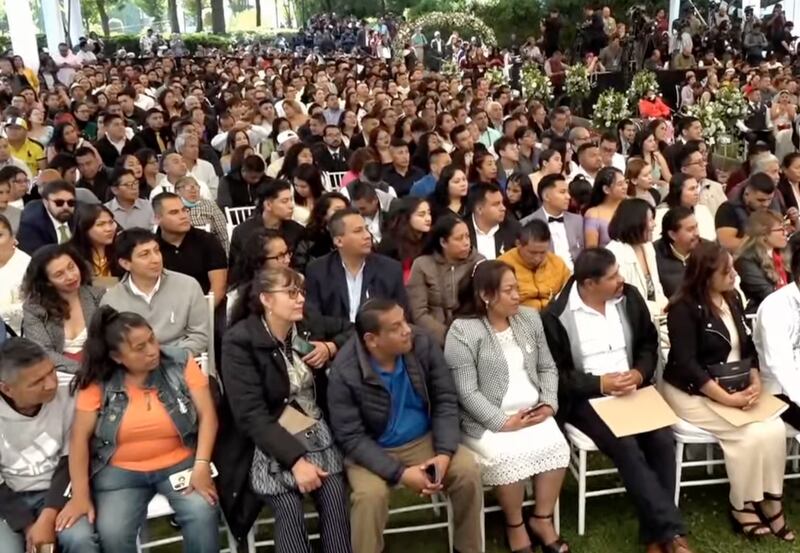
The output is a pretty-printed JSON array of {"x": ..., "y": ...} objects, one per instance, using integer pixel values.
[{"x": 733, "y": 377}]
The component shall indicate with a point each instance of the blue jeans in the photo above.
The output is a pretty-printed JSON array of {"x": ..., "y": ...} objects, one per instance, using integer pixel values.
[
  {"x": 78, "y": 539},
  {"x": 121, "y": 498}
]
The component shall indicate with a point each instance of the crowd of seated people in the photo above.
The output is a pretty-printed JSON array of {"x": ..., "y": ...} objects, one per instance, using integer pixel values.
[{"x": 432, "y": 278}]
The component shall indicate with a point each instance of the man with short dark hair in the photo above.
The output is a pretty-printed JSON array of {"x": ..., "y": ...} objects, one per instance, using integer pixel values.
[
  {"x": 274, "y": 208},
  {"x": 36, "y": 413},
  {"x": 690, "y": 128},
  {"x": 679, "y": 236},
  {"x": 559, "y": 124},
  {"x": 189, "y": 250},
  {"x": 128, "y": 208},
  {"x": 401, "y": 175},
  {"x": 488, "y": 134},
  {"x": 134, "y": 115},
  {"x": 115, "y": 142},
  {"x": 394, "y": 412},
  {"x": 492, "y": 231},
  {"x": 94, "y": 175},
  {"x": 239, "y": 189},
  {"x": 171, "y": 302},
  {"x": 508, "y": 159},
  {"x": 691, "y": 160},
  {"x": 155, "y": 135},
  {"x": 540, "y": 273},
  {"x": 50, "y": 220},
  {"x": 731, "y": 218},
  {"x": 339, "y": 282},
  {"x": 364, "y": 197},
  {"x": 330, "y": 154},
  {"x": 438, "y": 160},
  {"x": 589, "y": 162},
  {"x": 609, "y": 144},
  {"x": 603, "y": 342}
]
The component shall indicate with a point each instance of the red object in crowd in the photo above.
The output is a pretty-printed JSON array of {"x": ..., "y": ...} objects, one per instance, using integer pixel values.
[{"x": 655, "y": 109}]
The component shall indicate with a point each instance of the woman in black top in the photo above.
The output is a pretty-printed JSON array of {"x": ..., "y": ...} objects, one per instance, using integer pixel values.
[
  {"x": 274, "y": 362},
  {"x": 713, "y": 362}
]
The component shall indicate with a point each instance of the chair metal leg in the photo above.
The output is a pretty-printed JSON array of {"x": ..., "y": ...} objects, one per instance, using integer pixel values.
[
  {"x": 709, "y": 457},
  {"x": 435, "y": 499},
  {"x": 678, "y": 471},
  {"x": 581, "y": 492},
  {"x": 483, "y": 522},
  {"x": 557, "y": 516},
  {"x": 450, "y": 527}
]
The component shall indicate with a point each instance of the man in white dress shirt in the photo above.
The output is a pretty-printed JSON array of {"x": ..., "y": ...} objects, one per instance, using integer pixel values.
[
  {"x": 590, "y": 162},
  {"x": 67, "y": 63},
  {"x": 188, "y": 145},
  {"x": 174, "y": 167}
]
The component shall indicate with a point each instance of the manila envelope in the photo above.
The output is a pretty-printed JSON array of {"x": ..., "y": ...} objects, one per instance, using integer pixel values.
[
  {"x": 295, "y": 421},
  {"x": 641, "y": 411},
  {"x": 767, "y": 407}
]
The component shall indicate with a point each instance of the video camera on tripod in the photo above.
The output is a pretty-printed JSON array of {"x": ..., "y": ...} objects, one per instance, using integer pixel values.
[{"x": 641, "y": 24}]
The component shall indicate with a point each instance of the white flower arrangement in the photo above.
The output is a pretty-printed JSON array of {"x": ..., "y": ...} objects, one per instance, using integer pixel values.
[
  {"x": 536, "y": 84},
  {"x": 450, "y": 70},
  {"x": 496, "y": 76},
  {"x": 709, "y": 114},
  {"x": 642, "y": 82},
  {"x": 731, "y": 104},
  {"x": 576, "y": 82},
  {"x": 611, "y": 108}
]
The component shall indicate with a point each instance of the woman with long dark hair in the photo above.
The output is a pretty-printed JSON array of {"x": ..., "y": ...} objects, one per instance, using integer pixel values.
[
  {"x": 428, "y": 142},
  {"x": 646, "y": 147},
  {"x": 65, "y": 140},
  {"x": 438, "y": 275},
  {"x": 405, "y": 230},
  {"x": 308, "y": 189},
  {"x": 507, "y": 384},
  {"x": 95, "y": 232},
  {"x": 716, "y": 364},
  {"x": 298, "y": 154},
  {"x": 608, "y": 191},
  {"x": 483, "y": 169},
  {"x": 148, "y": 159},
  {"x": 316, "y": 240},
  {"x": 59, "y": 303},
  {"x": 521, "y": 200},
  {"x": 144, "y": 414},
  {"x": 685, "y": 191},
  {"x": 273, "y": 365},
  {"x": 450, "y": 194},
  {"x": 550, "y": 163}
]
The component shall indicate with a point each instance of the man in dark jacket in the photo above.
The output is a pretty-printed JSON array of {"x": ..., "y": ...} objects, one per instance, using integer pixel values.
[
  {"x": 115, "y": 143},
  {"x": 338, "y": 283},
  {"x": 50, "y": 220},
  {"x": 394, "y": 412},
  {"x": 492, "y": 231},
  {"x": 330, "y": 154},
  {"x": 603, "y": 341}
]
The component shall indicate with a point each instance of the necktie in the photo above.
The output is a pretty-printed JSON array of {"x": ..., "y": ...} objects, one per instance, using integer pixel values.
[
  {"x": 555, "y": 219},
  {"x": 63, "y": 234},
  {"x": 160, "y": 142}
]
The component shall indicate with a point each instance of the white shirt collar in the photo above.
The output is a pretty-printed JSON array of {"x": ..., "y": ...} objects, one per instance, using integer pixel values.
[
  {"x": 576, "y": 302},
  {"x": 146, "y": 297},
  {"x": 478, "y": 232},
  {"x": 56, "y": 223}
]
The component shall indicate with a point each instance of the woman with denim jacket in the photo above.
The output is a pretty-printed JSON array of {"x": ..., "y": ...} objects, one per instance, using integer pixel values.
[{"x": 144, "y": 413}]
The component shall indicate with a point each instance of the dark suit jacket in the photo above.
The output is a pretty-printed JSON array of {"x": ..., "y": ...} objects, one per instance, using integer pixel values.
[
  {"x": 358, "y": 141},
  {"x": 326, "y": 284},
  {"x": 325, "y": 160},
  {"x": 504, "y": 239},
  {"x": 109, "y": 153},
  {"x": 36, "y": 229},
  {"x": 148, "y": 137},
  {"x": 572, "y": 222}
]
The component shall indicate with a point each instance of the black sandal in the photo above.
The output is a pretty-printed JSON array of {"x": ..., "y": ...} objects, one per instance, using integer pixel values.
[
  {"x": 555, "y": 547},
  {"x": 526, "y": 549},
  {"x": 749, "y": 530},
  {"x": 784, "y": 530}
]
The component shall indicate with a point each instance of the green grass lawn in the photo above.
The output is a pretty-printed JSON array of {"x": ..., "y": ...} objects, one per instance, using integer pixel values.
[{"x": 611, "y": 525}]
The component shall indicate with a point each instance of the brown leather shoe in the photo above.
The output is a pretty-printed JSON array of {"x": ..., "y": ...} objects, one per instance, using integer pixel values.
[{"x": 677, "y": 545}]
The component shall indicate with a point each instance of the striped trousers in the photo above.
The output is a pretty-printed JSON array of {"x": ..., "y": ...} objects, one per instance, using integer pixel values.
[{"x": 291, "y": 534}]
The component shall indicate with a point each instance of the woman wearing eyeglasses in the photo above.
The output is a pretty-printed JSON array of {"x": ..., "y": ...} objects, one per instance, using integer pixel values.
[
  {"x": 59, "y": 303},
  {"x": 273, "y": 370},
  {"x": 760, "y": 261}
]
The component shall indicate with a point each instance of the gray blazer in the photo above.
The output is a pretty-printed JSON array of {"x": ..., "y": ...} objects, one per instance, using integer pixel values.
[
  {"x": 481, "y": 373},
  {"x": 573, "y": 224},
  {"x": 48, "y": 331}
]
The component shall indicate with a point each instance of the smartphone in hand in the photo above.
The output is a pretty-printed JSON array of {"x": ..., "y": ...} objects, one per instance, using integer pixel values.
[
  {"x": 432, "y": 471},
  {"x": 531, "y": 410}
]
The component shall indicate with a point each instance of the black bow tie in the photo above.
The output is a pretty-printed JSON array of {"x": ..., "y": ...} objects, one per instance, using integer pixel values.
[{"x": 555, "y": 219}]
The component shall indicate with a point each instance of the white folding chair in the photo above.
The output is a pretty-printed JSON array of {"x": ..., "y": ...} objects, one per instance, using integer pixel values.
[
  {"x": 580, "y": 446},
  {"x": 238, "y": 215},
  {"x": 159, "y": 508},
  {"x": 332, "y": 181},
  {"x": 211, "y": 366},
  {"x": 437, "y": 502}
]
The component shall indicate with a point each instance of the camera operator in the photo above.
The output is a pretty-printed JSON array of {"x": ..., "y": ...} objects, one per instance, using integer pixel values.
[
  {"x": 782, "y": 41},
  {"x": 593, "y": 32},
  {"x": 611, "y": 56},
  {"x": 754, "y": 44},
  {"x": 551, "y": 31},
  {"x": 749, "y": 20}
]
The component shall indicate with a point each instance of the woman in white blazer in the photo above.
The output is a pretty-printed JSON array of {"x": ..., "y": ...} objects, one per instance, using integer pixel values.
[{"x": 631, "y": 233}]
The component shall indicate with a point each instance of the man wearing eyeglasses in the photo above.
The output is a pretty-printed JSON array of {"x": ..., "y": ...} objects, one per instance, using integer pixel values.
[
  {"x": 128, "y": 208},
  {"x": 50, "y": 220},
  {"x": 692, "y": 162}
]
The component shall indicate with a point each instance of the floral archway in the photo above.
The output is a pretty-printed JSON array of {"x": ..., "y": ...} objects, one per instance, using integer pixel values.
[{"x": 466, "y": 24}]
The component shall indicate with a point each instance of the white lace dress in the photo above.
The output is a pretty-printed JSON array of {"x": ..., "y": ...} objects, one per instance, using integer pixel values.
[{"x": 508, "y": 457}]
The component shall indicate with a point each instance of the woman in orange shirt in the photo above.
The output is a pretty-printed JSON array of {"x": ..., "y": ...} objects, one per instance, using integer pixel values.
[{"x": 145, "y": 424}]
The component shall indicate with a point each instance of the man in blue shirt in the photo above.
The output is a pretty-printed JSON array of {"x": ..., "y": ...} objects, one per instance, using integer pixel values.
[
  {"x": 438, "y": 160},
  {"x": 394, "y": 412}
]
